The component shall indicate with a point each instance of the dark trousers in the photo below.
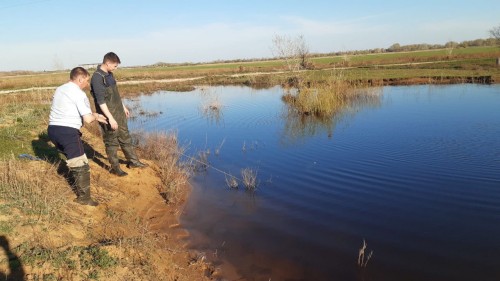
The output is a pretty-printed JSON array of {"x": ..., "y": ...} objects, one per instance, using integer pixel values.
[{"x": 67, "y": 140}]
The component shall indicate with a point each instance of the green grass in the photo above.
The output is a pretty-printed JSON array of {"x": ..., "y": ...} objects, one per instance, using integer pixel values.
[
  {"x": 95, "y": 256},
  {"x": 24, "y": 126},
  {"x": 490, "y": 52},
  {"x": 6, "y": 227},
  {"x": 91, "y": 261}
]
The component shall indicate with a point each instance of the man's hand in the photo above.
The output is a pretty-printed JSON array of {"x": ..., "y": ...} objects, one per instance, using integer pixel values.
[
  {"x": 111, "y": 120},
  {"x": 127, "y": 113},
  {"x": 113, "y": 124},
  {"x": 101, "y": 118}
]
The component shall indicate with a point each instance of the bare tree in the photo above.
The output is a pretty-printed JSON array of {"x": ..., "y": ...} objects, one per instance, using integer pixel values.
[
  {"x": 294, "y": 51},
  {"x": 495, "y": 32},
  {"x": 302, "y": 51}
]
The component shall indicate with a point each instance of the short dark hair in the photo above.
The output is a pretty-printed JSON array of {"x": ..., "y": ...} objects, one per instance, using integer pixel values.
[
  {"x": 111, "y": 57},
  {"x": 78, "y": 71}
]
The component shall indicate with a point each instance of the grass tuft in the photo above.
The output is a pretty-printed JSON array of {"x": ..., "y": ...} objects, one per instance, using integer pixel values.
[
  {"x": 249, "y": 178},
  {"x": 163, "y": 149},
  {"x": 231, "y": 181}
]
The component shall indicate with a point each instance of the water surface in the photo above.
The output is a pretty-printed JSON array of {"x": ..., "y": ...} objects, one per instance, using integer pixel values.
[{"x": 413, "y": 171}]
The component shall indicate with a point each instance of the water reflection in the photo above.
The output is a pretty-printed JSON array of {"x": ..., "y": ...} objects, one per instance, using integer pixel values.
[{"x": 299, "y": 126}]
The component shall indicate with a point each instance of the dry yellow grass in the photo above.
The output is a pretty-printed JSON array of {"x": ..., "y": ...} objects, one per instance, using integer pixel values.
[{"x": 163, "y": 149}]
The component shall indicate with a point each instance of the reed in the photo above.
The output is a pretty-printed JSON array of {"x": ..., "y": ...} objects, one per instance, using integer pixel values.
[
  {"x": 163, "y": 149},
  {"x": 218, "y": 148},
  {"x": 362, "y": 259},
  {"x": 202, "y": 161},
  {"x": 212, "y": 110},
  {"x": 299, "y": 124},
  {"x": 231, "y": 181},
  {"x": 249, "y": 178}
]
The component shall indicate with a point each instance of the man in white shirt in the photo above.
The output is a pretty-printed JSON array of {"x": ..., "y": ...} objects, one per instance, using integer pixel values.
[{"x": 69, "y": 106}]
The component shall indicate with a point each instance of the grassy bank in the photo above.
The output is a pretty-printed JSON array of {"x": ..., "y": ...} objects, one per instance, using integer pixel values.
[
  {"x": 132, "y": 235},
  {"x": 473, "y": 64}
]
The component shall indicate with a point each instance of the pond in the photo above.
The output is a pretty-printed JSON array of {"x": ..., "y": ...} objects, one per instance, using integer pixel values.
[{"x": 414, "y": 171}]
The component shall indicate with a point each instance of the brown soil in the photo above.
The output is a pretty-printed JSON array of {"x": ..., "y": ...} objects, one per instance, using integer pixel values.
[
  {"x": 132, "y": 222},
  {"x": 137, "y": 195}
]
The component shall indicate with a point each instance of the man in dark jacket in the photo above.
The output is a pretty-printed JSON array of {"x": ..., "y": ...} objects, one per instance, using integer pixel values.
[{"x": 109, "y": 103}]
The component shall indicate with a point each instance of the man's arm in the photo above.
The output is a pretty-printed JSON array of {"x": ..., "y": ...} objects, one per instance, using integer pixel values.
[
  {"x": 89, "y": 118},
  {"x": 98, "y": 90}
]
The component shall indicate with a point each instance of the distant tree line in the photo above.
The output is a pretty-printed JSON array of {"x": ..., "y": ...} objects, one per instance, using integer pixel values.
[{"x": 396, "y": 47}]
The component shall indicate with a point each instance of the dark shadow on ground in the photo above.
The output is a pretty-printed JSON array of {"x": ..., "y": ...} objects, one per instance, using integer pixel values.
[
  {"x": 15, "y": 266},
  {"x": 95, "y": 156},
  {"x": 49, "y": 153},
  {"x": 44, "y": 150}
]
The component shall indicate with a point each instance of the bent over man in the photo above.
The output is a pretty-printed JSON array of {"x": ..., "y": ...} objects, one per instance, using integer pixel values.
[
  {"x": 109, "y": 103},
  {"x": 69, "y": 106}
]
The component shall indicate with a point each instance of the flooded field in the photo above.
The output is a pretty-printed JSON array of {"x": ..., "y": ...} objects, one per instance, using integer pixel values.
[{"x": 413, "y": 171}]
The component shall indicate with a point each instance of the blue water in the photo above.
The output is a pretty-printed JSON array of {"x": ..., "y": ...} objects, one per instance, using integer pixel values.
[{"x": 414, "y": 171}]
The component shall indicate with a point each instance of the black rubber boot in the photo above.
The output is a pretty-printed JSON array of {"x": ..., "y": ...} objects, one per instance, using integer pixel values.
[
  {"x": 112, "y": 153},
  {"x": 116, "y": 170},
  {"x": 82, "y": 185},
  {"x": 136, "y": 164},
  {"x": 133, "y": 160}
]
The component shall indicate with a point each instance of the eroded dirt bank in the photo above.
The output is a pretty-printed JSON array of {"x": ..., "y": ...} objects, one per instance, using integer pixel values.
[{"x": 132, "y": 235}]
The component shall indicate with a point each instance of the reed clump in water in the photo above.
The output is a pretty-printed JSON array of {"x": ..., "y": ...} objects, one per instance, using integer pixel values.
[
  {"x": 321, "y": 98},
  {"x": 249, "y": 178},
  {"x": 317, "y": 103},
  {"x": 212, "y": 110},
  {"x": 231, "y": 181}
]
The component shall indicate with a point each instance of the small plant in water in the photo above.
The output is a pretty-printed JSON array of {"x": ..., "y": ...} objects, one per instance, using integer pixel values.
[
  {"x": 212, "y": 110},
  {"x": 231, "y": 181},
  {"x": 203, "y": 160},
  {"x": 249, "y": 179},
  {"x": 362, "y": 262},
  {"x": 217, "y": 150}
]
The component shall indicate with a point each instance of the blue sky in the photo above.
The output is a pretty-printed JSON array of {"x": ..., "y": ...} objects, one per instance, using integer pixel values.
[{"x": 56, "y": 34}]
